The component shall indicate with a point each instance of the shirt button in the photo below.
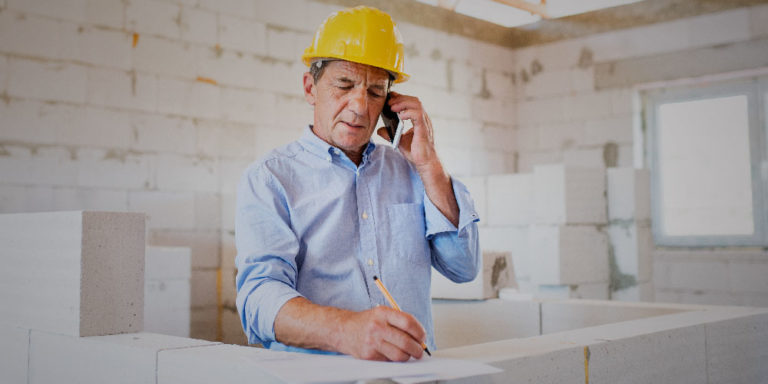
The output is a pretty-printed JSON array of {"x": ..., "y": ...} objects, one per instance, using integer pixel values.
[
  {"x": 365, "y": 215},
  {"x": 370, "y": 261}
]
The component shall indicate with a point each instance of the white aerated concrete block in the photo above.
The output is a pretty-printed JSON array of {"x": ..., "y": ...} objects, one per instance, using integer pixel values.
[
  {"x": 497, "y": 272},
  {"x": 167, "y": 263},
  {"x": 592, "y": 291},
  {"x": 14, "y": 354},
  {"x": 167, "y": 307},
  {"x": 74, "y": 273},
  {"x": 510, "y": 199},
  {"x": 674, "y": 354},
  {"x": 130, "y": 358},
  {"x": 737, "y": 350},
  {"x": 167, "y": 291},
  {"x": 242, "y": 34},
  {"x": 220, "y": 363},
  {"x": 513, "y": 240},
  {"x": 568, "y": 255},
  {"x": 629, "y": 194},
  {"x": 494, "y": 320},
  {"x": 632, "y": 245},
  {"x": 569, "y": 195},
  {"x": 640, "y": 292},
  {"x": 47, "y": 81}
]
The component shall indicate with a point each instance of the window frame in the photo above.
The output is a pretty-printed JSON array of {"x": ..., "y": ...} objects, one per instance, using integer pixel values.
[{"x": 756, "y": 90}]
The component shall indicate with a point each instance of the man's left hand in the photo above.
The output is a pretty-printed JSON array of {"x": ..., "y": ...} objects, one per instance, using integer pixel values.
[
  {"x": 417, "y": 144},
  {"x": 418, "y": 147}
]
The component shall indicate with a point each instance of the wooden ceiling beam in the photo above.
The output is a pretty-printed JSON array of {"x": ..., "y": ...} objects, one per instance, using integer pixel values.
[{"x": 537, "y": 9}]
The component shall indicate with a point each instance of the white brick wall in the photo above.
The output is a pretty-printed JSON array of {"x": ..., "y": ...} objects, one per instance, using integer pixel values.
[
  {"x": 109, "y": 13},
  {"x": 108, "y": 48},
  {"x": 632, "y": 247},
  {"x": 242, "y": 34},
  {"x": 629, "y": 194},
  {"x": 120, "y": 89},
  {"x": 47, "y": 81},
  {"x": 565, "y": 255},
  {"x": 153, "y": 18},
  {"x": 640, "y": 292},
  {"x": 167, "y": 291},
  {"x": 43, "y": 38},
  {"x": 199, "y": 26},
  {"x": 513, "y": 240},
  {"x": 188, "y": 98},
  {"x": 565, "y": 194},
  {"x": 510, "y": 199},
  {"x": 73, "y": 10}
]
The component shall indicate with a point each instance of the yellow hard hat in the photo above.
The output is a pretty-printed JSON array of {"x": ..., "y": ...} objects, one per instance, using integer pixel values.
[{"x": 362, "y": 35}]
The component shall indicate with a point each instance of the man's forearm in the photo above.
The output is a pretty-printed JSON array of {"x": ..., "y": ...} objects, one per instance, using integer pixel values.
[
  {"x": 304, "y": 324},
  {"x": 380, "y": 333},
  {"x": 439, "y": 189}
]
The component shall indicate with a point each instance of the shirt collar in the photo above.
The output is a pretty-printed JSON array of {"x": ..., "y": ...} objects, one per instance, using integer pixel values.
[{"x": 312, "y": 143}]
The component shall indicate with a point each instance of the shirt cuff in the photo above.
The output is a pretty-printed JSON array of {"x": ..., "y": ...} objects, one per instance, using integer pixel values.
[
  {"x": 272, "y": 296},
  {"x": 437, "y": 222}
]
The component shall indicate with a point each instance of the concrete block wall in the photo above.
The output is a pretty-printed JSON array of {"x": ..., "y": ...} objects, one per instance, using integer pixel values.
[
  {"x": 711, "y": 276},
  {"x": 167, "y": 275},
  {"x": 629, "y": 233},
  {"x": 551, "y": 224},
  {"x": 564, "y": 117},
  {"x": 496, "y": 273},
  {"x": 157, "y": 106}
]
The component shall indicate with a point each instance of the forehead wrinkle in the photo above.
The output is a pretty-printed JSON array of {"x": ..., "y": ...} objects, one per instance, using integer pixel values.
[{"x": 354, "y": 72}]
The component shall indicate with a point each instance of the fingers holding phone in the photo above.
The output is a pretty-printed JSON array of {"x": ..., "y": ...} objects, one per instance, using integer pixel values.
[{"x": 417, "y": 144}]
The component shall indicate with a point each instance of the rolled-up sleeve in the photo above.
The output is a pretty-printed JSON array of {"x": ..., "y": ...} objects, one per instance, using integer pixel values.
[
  {"x": 455, "y": 250},
  {"x": 266, "y": 253}
]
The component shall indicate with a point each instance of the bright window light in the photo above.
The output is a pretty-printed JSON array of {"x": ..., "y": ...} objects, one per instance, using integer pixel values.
[{"x": 704, "y": 167}]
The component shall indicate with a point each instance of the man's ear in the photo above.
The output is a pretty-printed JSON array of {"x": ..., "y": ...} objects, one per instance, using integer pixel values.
[{"x": 309, "y": 88}]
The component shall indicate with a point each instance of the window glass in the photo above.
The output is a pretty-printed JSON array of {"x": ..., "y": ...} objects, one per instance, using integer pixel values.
[{"x": 704, "y": 167}]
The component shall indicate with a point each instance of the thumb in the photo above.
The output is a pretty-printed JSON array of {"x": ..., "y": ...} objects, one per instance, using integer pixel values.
[{"x": 382, "y": 131}]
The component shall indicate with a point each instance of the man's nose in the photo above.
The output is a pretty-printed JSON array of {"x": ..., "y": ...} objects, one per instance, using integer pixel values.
[{"x": 358, "y": 101}]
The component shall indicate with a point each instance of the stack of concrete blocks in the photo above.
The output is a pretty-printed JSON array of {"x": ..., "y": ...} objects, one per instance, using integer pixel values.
[
  {"x": 550, "y": 223},
  {"x": 71, "y": 300},
  {"x": 629, "y": 233},
  {"x": 167, "y": 275},
  {"x": 568, "y": 249},
  {"x": 503, "y": 237}
]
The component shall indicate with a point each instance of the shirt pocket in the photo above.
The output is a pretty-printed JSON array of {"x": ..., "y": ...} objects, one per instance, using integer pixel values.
[{"x": 407, "y": 230}]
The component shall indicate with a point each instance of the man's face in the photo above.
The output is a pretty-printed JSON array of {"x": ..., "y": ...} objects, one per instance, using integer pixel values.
[{"x": 348, "y": 99}]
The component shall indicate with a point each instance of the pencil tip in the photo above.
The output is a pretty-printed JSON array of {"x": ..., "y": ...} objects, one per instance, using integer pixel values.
[
  {"x": 427, "y": 351},
  {"x": 375, "y": 278}
]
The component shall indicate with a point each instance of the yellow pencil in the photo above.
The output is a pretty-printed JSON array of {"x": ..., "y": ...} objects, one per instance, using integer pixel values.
[{"x": 394, "y": 305}]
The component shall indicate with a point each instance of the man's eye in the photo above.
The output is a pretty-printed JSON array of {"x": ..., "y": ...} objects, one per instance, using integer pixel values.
[
  {"x": 344, "y": 87},
  {"x": 376, "y": 94}
]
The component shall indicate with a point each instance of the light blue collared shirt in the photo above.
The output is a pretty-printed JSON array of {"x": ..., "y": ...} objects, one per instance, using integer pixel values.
[{"x": 311, "y": 223}]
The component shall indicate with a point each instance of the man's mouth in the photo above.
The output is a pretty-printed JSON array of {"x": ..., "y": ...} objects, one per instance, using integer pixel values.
[{"x": 352, "y": 125}]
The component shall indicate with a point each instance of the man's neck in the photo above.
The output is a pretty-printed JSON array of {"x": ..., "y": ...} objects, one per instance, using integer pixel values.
[{"x": 355, "y": 156}]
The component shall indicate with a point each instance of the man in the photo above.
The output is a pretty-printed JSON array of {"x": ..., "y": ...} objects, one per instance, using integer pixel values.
[{"x": 319, "y": 218}]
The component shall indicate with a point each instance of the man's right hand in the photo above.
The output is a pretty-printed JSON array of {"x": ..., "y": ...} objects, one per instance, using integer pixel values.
[{"x": 380, "y": 333}]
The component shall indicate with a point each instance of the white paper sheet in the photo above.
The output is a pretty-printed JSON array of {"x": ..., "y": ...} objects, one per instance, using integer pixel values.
[{"x": 327, "y": 369}]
